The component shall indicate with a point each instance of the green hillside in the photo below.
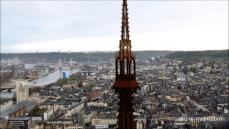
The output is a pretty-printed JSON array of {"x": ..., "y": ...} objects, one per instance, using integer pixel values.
[{"x": 199, "y": 55}]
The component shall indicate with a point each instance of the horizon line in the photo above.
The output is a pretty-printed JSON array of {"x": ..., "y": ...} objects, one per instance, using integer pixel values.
[{"x": 108, "y": 51}]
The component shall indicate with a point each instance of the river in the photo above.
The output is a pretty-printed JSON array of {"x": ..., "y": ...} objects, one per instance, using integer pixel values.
[{"x": 49, "y": 78}]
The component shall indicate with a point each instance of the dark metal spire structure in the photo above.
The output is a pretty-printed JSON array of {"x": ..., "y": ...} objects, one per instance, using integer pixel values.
[{"x": 125, "y": 83}]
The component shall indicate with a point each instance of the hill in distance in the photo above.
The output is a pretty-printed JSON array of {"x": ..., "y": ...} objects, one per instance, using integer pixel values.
[
  {"x": 199, "y": 55},
  {"x": 79, "y": 56},
  {"x": 106, "y": 56}
]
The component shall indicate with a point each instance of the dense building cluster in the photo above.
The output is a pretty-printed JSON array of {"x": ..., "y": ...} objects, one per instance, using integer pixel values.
[{"x": 172, "y": 94}]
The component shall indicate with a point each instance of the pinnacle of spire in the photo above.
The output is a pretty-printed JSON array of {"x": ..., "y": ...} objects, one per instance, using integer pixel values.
[{"x": 125, "y": 22}]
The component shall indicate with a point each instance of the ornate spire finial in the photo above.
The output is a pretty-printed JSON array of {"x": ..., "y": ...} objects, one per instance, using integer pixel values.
[{"x": 125, "y": 22}]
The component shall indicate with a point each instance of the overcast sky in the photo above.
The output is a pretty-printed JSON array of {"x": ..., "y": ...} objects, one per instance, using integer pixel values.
[{"x": 44, "y": 26}]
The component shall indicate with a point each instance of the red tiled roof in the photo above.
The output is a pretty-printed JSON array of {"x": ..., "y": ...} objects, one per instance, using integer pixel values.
[{"x": 94, "y": 95}]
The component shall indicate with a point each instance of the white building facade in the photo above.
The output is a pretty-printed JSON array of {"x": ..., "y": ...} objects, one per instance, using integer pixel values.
[{"x": 22, "y": 90}]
